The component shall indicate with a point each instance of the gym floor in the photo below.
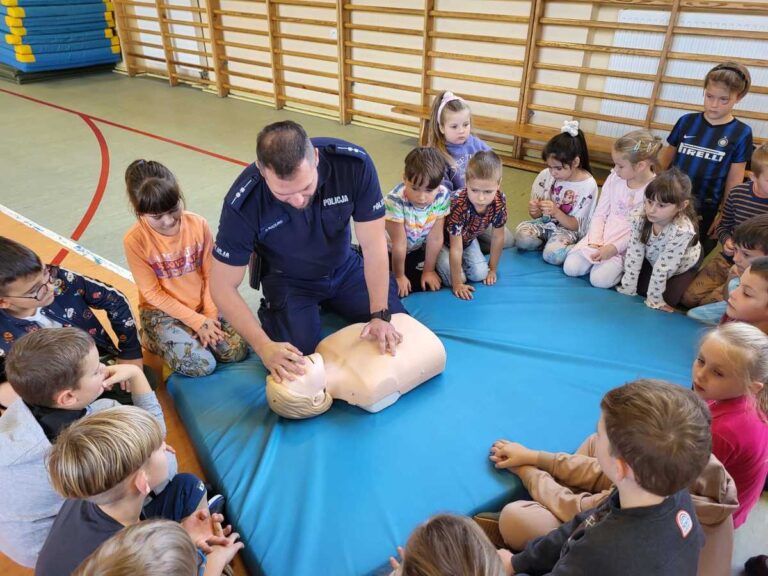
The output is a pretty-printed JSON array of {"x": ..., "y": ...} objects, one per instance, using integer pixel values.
[{"x": 65, "y": 145}]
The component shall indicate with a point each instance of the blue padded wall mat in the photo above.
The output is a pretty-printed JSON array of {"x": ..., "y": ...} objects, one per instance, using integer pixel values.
[
  {"x": 58, "y": 60},
  {"x": 53, "y": 9},
  {"x": 528, "y": 360},
  {"x": 34, "y": 39}
]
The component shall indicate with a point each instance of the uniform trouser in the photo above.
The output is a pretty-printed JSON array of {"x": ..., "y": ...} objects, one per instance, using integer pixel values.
[
  {"x": 176, "y": 344},
  {"x": 290, "y": 309},
  {"x": 708, "y": 285},
  {"x": 576, "y": 484}
]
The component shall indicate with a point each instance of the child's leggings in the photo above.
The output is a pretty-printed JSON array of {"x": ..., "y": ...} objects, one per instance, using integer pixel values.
[
  {"x": 175, "y": 342},
  {"x": 604, "y": 274},
  {"x": 557, "y": 241}
]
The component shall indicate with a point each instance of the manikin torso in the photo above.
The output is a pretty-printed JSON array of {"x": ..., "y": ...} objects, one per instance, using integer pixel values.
[{"x": 353, "y": 369}]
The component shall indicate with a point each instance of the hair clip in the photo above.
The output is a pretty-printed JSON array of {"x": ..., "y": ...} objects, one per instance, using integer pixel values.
[{"x": 570, "y": 126}]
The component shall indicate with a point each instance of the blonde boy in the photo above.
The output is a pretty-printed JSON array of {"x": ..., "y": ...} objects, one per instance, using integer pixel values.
[{"x": 106, "y": 465}]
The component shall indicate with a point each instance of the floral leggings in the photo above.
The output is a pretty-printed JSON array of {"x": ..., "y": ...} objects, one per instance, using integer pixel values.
[{"x": 175, "y": 342}]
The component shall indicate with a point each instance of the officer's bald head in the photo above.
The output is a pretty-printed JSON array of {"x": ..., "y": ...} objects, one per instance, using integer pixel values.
[{"x": 282, "y": 147}]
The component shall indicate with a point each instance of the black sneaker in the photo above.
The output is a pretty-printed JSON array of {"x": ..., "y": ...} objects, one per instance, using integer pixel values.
[
  {"x": 216, "y": 504},
  {"x": 756, "y": 566}
]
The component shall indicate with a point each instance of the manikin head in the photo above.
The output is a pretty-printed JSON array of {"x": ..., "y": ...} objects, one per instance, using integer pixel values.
[{"x": 303, "y": 397}]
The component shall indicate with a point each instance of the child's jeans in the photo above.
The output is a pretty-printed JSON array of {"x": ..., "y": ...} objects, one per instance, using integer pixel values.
[
  {"x": 175, "y": 342},
  {"x": 557, "y": 241},
  {"x": 474, "y": 266}
]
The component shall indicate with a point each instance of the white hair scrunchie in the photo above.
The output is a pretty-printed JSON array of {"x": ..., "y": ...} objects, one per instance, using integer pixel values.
[
  {"x": 447, "y": 97},
  {"x": 570, "y": 126}
]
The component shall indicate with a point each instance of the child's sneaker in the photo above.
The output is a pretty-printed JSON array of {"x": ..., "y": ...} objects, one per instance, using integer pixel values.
[
  {"x": 489, "y": 523},
  {"x": 216, "y": 504}
]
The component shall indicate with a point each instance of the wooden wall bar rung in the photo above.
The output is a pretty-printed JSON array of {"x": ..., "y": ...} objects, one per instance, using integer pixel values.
[
  {"x": 391, "y": 119},
  {"x": 303, "y": 38},
  {"x": 146, "y": 44},
  {"x": 375, "y": 99},
  {"x": 305, "y": 86},
  {"x": 237, "y": 14},
  {"x": 140, "y": 31},
  {"x": 323, "y": 105},
  {"x": 224, "y": 28},
  {"x": 649, "y": 4},
  {"x": 308, "y": 21},
  {"x": 184, "y": 8},
  {"x": 588, "y": 93},
  {"x": 233, "y": 88},
  {"x": 256, "y": 77},
  {"x": 595, "y": 71},
  {"x": 382, "y": 84},
  {"x": 380, "y": 66},
  {"x": 477, "y": 38},
  {"x": 478, "y": 16},
  {"x": 239, "y": 60},
  {"x": 331, "y": 75},
  {"x": 572, "y": 22},
  {"x": 382, "y": 48},
  {"x": 304, "y": 55},
  {"x": 307, "y": 3},
  {"x": 687, "y": 106},
  {"x": 253, "y": 47},
  {"x": 709, "y": 58},
  {"x": 742, "y": 34},
  {"x": 185, "y": 23},
  {"x": 585, "y": 114},
  {"x": 598, "y": 48},
  {"x": 383, "y": 29},
  {"x": 146, "y": 57},
  {"x": 698, "y": 82},
  {"x": 384, "y": 10},
  {"x": 745, "y": 8},
  {"x": 485, "y": 99},
  {"x": 193, "y": 52},
  {"x": 473, "y": 78},
  {"x": 192, "y": 79},
  {"x": 475, "y": 58},
  {"x": 192, "y": 65},
  {"x": 185, "y": 37},
  {"x": 150, "y": 5}
]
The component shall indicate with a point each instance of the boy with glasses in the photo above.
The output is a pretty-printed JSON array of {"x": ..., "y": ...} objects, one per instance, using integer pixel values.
[{"x": 33, "y": 296}]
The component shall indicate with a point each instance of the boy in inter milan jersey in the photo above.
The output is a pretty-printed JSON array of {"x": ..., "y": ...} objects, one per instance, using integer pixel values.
[{"x": 713, "y": 147}]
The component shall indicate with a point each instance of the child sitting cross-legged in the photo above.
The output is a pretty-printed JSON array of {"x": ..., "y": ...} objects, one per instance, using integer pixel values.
[
  {"x": 415, "y": 213},
  {"x": 106, "y": 465},
  {"x": 59, "y": 378},
  {"x": 653, "y": 440},
  {"x": 480, "y": 205}
]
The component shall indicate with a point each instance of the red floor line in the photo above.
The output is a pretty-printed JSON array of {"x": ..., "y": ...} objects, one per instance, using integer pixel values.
[
  {"x": 130, "y": 129},
  {"x": 98, "y": 193}
]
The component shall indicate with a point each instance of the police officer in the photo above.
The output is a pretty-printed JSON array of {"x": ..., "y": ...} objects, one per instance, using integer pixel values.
[{"x": 293, "y": 207}]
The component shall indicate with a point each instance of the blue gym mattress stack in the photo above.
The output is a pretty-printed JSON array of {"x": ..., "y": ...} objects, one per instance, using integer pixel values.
[{"x": 42, "y": 35}]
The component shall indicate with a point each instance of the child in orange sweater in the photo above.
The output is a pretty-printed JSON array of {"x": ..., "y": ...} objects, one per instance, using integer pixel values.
[{"x": 169, "y": 254}]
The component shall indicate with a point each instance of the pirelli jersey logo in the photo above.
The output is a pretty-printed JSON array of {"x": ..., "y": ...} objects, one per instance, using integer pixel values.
[{"x": 716, "y": 156}]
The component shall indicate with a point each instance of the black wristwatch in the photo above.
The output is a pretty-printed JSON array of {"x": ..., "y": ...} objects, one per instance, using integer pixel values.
[{"x": 385, "y": 315}]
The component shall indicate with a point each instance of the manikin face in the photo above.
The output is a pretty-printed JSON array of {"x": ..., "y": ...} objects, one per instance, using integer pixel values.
[
  {"x": 298, "y": 189},
  {"x": 312, "y": 383},
  {"x": 456, "y": 126}
]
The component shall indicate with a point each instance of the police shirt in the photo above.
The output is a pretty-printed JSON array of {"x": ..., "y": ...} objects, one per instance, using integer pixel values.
[
  {"x": 706, "y": 152},
  {"x": 306, "y": 243}
]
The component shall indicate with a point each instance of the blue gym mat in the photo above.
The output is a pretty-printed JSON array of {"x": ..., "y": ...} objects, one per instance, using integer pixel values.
[{"x": 528, "y": 360}]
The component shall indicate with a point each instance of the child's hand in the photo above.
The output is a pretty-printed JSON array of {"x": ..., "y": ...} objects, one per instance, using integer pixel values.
[
  {"x": 729, "y": 247},
  {"x": 534, "y": 209},
  {"x": 430, "y": 281},
  {"x": 403, "y": 286},
  {"x": 463, "y": 291},
  {"x": 200, "y": 527},
  {"x": 666, "y": 308},
  {"x": 490, "y": 280},
  {"x": 223, "y": 554},
  {"x": 712, "y": 232},
  {"x": 210, "y": 333},
  {"x": 393, "y": 562},
  {"x": 506, "y": 454},
  {"x": 547, "y": 207},
  {"x": 506, "y": 561},
  {"x": 604, "y": 253},
  {"x": 122, "y": 374}
]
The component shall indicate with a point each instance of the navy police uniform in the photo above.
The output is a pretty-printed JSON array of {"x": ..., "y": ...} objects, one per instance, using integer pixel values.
[{"x": 307, "y": 253}]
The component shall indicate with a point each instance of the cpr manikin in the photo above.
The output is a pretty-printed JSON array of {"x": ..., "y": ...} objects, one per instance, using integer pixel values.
[{"x": 347, "y": 367}]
